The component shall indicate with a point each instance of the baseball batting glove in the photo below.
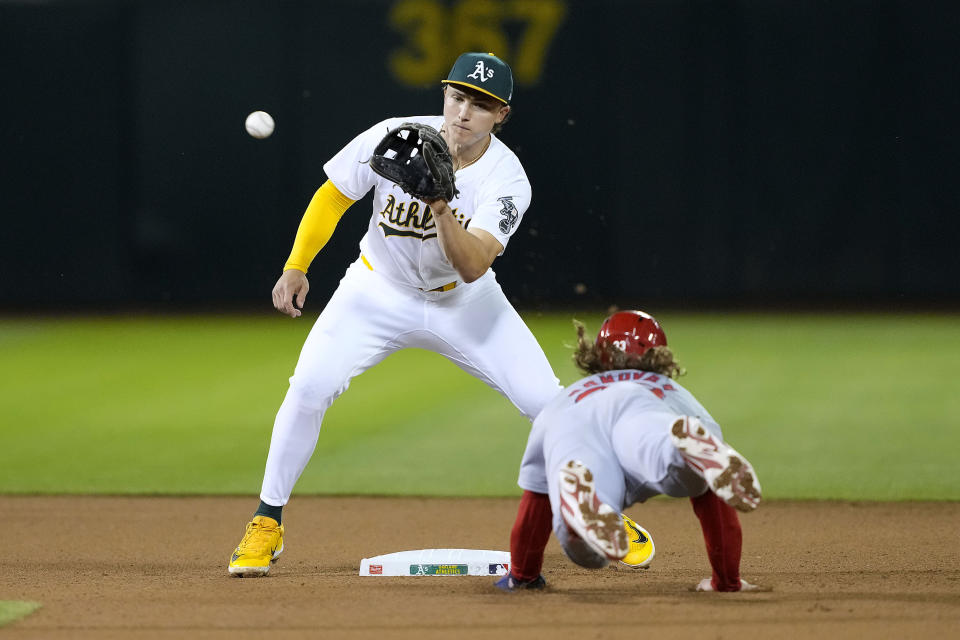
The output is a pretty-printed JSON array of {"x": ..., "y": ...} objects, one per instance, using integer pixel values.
[{"x": 416, "y": 158}]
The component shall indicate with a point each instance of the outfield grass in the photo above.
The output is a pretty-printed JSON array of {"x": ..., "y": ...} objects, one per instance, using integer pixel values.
[
  {"x": 840, "y": 406},
  {"x": 13, "y": 610}
]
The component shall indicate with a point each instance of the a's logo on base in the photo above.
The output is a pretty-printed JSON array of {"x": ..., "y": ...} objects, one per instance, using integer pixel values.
[{"x": 439, "y": 570}]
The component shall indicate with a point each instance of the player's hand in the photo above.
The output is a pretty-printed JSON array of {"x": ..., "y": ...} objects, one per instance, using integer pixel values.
[
  {"x": 707, "y": 585},
  {"x": 437, "y": 206},
  {"x": 290, "y": 292}
]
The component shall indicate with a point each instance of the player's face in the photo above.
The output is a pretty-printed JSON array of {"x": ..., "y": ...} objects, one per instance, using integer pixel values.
[{"x": 469, "y": 117}]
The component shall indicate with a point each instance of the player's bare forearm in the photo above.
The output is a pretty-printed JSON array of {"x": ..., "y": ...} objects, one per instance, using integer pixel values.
[{"x": 471, "y": 254}]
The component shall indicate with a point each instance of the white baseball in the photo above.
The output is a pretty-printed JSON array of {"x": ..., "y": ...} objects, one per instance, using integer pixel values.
[{"x": 259, "y": 124}]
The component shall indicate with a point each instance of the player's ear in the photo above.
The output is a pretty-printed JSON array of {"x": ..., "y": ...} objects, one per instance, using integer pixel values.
[{"x": 504, "y": 112}]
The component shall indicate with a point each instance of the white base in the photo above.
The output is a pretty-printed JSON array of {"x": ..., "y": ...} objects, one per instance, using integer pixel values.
[{"x": 438, "y": 562}]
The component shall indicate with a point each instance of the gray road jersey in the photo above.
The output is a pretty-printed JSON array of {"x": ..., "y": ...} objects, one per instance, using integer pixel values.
[
  {"x": 588, "y": 410},
  {"x": 636, "y": 391}
]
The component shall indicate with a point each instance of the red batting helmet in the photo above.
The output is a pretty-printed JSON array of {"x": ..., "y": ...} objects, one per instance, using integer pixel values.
[{"x": 633, "y": 332}]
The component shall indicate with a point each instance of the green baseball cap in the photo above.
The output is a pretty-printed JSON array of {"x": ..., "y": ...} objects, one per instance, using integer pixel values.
[{"x": 484, "y": 72}]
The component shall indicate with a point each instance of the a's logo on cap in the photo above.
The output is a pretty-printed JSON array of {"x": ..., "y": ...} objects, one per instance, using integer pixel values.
[{"x": 480, "y": 72}]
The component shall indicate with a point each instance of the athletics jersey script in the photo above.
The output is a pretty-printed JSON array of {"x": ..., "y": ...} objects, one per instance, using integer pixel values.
[
  {"x": 411, "y": 219},
  {"x": 401, "y": 240}
]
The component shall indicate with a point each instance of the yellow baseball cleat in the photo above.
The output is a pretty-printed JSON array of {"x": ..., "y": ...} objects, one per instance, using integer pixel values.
[
  {"x": 642, "y": 548},
  {"x": 262, "y": 544}
]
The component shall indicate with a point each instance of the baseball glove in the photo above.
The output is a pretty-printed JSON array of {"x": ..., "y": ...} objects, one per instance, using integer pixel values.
[{"x": 416, "y": 159}]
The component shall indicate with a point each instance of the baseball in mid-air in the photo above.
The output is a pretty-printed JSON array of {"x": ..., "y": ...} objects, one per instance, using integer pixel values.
[{"x": 260, "y": 124}]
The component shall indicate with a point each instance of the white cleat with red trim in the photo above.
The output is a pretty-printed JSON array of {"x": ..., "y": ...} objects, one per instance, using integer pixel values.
[
  {"x": 595, "y": 522},
  {"x": 727, "y": 472}
]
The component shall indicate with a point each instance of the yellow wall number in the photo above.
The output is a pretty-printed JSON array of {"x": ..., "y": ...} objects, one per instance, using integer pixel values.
[{"x": 435, "y": 33}]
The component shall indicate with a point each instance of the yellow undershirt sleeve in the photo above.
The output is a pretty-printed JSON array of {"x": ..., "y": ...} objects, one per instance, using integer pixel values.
[{"x": 319, "y": 220}]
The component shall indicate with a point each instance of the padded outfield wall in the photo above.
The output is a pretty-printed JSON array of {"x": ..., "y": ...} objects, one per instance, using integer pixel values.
[{"x": 729, "y": 152}]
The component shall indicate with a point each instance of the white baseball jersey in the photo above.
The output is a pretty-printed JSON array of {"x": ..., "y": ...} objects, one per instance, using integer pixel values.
[
  {"x": 401, "y": 241},
  {"x": 394, "y": 298},
  {"x": 618, "y": 424}
]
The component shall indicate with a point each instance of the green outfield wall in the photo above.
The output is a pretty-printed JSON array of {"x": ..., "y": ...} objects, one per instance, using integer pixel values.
[{"x": 693, "y": 153}]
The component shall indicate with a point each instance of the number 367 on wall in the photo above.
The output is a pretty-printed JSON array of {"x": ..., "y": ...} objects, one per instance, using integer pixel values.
[{"x": 435, "y": 33}]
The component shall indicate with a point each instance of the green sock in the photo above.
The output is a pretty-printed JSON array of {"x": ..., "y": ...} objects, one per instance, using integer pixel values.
[{"x": 270, "y": 511}]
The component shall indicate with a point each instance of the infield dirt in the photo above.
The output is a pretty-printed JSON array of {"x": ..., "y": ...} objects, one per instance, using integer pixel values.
[{"x": 120, "y": 567}]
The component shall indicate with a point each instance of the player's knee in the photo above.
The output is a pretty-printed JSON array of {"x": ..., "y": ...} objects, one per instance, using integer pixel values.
[
  {"x": 314, "y": 392},
  {"x": 576, "y": 549},
  {"x": 682, "y": 482},
  {"x": 580, "y": 553}
]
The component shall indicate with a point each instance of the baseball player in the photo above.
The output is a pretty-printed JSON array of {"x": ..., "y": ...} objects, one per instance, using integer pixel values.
[
  {"x": 625, "y": 433},
  {"x": 422, "y": 277}
]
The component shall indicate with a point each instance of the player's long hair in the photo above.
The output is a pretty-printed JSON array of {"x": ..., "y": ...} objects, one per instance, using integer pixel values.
[{"x": 593, "y": 358}]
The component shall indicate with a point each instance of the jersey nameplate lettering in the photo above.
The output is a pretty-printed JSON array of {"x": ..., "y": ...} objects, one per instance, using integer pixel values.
[{"x": 599, "y": 382}]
